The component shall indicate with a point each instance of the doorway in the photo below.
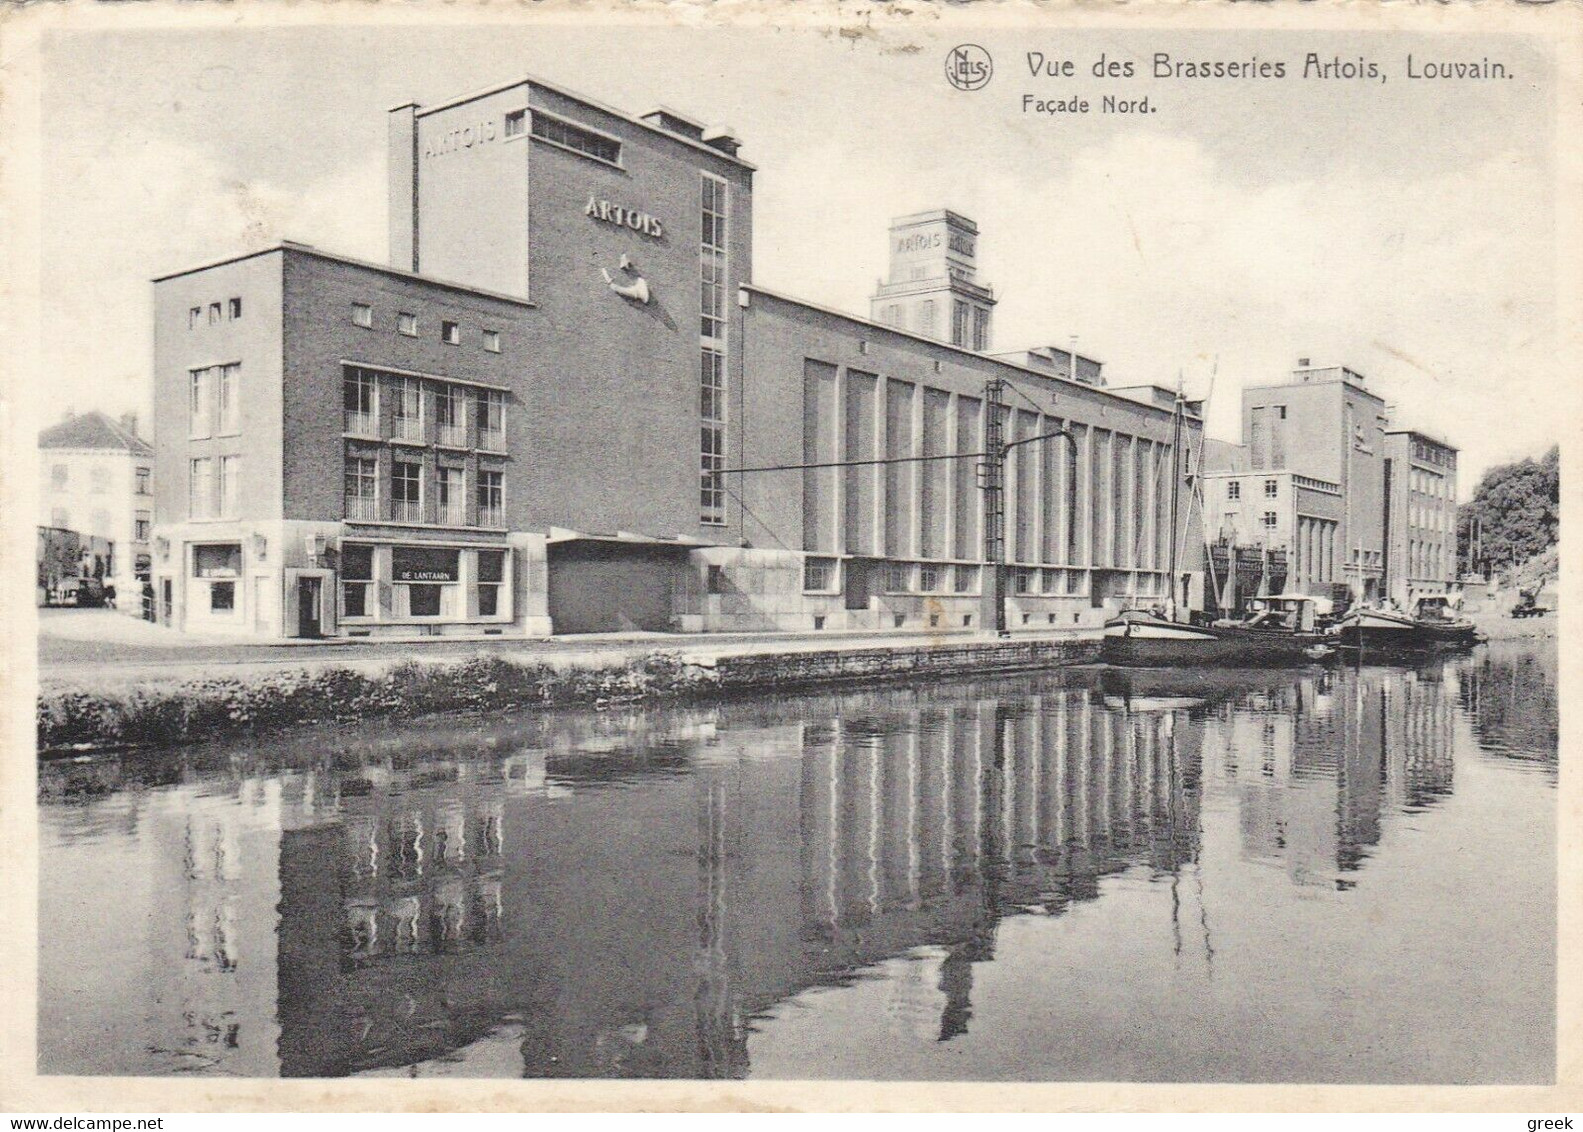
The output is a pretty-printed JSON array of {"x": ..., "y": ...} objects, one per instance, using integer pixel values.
[
  {"x": 857, "y": 578},
  {"x": 308, "y": 591}
]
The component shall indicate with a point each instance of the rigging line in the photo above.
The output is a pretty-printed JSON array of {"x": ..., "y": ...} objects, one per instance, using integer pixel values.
[{"x": 748, "y": 512}]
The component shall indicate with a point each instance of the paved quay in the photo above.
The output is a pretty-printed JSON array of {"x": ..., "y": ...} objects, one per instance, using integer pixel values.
[{"x": 99, "y": 649}]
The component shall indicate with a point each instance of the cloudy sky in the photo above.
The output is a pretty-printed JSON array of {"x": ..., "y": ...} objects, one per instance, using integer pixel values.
[{"x": 1403, "y": 228}]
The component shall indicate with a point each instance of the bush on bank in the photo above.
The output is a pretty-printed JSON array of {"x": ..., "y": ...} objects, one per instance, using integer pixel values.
[{"x": 161, "y": 715}]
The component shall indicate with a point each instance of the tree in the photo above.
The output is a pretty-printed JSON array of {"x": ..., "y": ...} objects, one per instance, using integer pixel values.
[{"x": 1515, "y": 514}]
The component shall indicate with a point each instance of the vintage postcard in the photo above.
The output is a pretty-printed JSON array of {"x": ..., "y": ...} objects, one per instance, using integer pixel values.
[{"x": 772, "y": 557}]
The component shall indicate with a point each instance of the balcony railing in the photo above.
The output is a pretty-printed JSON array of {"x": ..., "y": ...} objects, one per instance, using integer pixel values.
[
  {"x": 491, "y": 516},
  {"x": 406, "y": 511},
  {"x": 359, "y": 423},
  {"x": 362, "y": 507},
  {"x": 492, "y": 439},
  {"x": 452, "y": 435},
  {"x": 452, "y": 513},
  {"x": 407, "y": 428}
]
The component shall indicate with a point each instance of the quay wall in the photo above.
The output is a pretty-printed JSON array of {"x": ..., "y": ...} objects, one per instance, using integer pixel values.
[{"x": 71, "y": 720}]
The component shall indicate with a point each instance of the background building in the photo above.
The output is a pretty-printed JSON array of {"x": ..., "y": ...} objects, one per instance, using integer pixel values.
[
  {"x": 933, "y": 289},
  {"x": 96, "y": 479},
  {"x": 1421, "y": 472},
  {"x": 1325, "y": 426}
]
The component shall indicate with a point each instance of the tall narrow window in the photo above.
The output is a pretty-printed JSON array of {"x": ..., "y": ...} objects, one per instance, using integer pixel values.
[
  {"x": 230, "y": 483},
  {"x": 450, "y": 332},
  {"x": 491, "y": 499},
  {"x": 200, "y": 488},
  {"x": 491, "y": 574},
  {"x": 362, "y": 491},
  {"x": 492, "y": 420},
  {"x": 234, "y": 307},
  {"x": 407, "y": 411},
  {"x": 358, "y": 390},
  {"x": 230, "y": 399},
  {"x": 712, "y": 346},
  {"x": 450, "y": 421},
  {"x": 144, "y": 481},
  {"x": 142, "y": 524},
  {"x": 980, "y": 329},
  {"x": 357, "y": 577},
  {"x": 406, "y": 492},
  {"x": 450, "y": 499},
  {"x": 959, "y": 323},
  {"x": 200, "y": 421}
]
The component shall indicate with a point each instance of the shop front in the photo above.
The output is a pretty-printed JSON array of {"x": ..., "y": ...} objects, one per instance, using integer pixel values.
[{"x": 426, "y": 588}]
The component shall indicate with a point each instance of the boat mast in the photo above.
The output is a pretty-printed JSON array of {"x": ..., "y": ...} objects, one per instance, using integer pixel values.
[{"x": 1176, "y": 485}]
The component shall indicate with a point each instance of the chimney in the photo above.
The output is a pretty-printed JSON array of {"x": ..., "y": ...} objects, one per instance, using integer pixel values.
[{"x": 129, "y": 422}]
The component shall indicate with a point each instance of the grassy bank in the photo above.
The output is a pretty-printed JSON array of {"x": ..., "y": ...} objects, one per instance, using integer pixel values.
[
  {"x": 182, "y": 710},
  {"x": 185, "y": 710}
]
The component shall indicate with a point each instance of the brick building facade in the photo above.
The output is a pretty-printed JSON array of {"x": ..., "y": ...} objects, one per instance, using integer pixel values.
[{"x": 540, "y": 417}]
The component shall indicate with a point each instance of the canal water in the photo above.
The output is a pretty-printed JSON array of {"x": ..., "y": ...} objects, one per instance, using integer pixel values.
[{"x": 1338, "y": 875}]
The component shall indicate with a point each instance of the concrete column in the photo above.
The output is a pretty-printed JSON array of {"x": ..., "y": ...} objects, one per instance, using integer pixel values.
[
  {"x": 838, "y": 475},
  {"x": 402, "y": 164},
  {"x": 952, "y": 444}
]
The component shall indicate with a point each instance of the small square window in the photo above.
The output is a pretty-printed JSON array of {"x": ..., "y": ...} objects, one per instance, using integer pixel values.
[
  {"x": 234, "y": 307},
  {"x": 214, "y": 313},
  {"x": 194, "y": 317},
  {"x": 516, "y": 123},
  {"x": 1234, "y": 490},
  {"x": 1280, "y": 412},
  {"x": 492, "y": 341},
  {"x": 407, "y": 324},
  {"x": 362, "y": 314},
  {"x": 450, "y": 333}
]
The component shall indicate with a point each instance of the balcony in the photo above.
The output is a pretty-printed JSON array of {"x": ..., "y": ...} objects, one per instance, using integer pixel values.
[
  {"x": 451, "y": 435},
  {"x": 360, "y": 423},
  {"x": 451, "y": 513},
  {"x": 406, "y": 511},
  {"x": 407, "y": 428},
  {"x": 492, "y": 439},
  {"x": 491, "y": 516}
]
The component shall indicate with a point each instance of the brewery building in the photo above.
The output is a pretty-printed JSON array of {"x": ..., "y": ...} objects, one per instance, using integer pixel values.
[{"x": 564, "y": 406}]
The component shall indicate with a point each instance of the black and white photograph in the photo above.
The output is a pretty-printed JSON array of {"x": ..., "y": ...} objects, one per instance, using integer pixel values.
[{"x": 864, "y": 546}]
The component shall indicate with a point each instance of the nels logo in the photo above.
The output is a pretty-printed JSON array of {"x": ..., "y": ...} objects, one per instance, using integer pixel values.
[{"x": 968, "y": 67}]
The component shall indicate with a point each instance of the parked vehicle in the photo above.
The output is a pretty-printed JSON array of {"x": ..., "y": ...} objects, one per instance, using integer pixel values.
[{"x": 1528, "y": 605}]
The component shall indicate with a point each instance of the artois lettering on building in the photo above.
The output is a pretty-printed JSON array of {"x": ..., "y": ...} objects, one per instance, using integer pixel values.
[
  {"x": 464, "y": 137},
  {"x": 604, "y": 211}
]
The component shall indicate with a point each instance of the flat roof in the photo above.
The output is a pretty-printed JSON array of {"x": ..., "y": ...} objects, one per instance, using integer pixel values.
[
  {"x": 1422, "y": 435},
  {"x": 1043, "y": 375},
  {"x": 566, "y": 92},
  {"x": 949, "y": 214},
  {"x": 351, "y": 261},
  {"x": 1338, "y": 380}
]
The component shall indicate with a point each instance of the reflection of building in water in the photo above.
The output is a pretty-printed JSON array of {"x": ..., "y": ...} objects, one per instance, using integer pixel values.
[
  {"x": 212, "y": 923},
  {"x": 1314, "y": 765},
  {"x": 627, "y": 909},
  {"x": 632, "y": 918},
  {"x": 1511, "y": 697},
  {"x": 922, "y": 827}
]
